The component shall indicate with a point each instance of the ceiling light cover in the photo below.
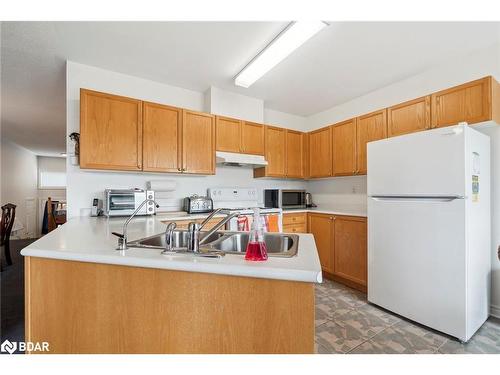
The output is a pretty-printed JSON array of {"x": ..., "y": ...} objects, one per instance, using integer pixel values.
[{"x": 296, "y": 34}]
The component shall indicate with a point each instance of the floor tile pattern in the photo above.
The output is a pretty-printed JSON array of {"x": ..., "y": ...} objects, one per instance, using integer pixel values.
[{"x": 347, "y": 323}]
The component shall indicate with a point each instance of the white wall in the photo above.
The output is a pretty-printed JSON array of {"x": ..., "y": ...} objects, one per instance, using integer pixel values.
[
  {"x": 286, "y": 120},
  {"x": 84, "y": 185},
  {"x": 450, "y": 73},
  {"x": 224, "y": 103},
  {"x": 19, "y": 183}
]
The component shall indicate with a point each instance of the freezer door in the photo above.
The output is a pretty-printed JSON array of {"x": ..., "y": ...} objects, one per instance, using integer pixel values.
[
  {"x": 416, "y": 260},
  {"x": 426, "y": 163}
]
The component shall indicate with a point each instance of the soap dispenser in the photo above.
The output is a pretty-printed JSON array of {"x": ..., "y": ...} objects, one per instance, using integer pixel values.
[{"x": 256, "y": 247}]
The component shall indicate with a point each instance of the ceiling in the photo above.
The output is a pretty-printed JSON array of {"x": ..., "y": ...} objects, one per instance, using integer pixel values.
[{"x": 342, "y": 62}]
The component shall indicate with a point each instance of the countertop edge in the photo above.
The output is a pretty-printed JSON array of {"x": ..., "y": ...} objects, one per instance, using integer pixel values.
[{"x": 219, "y": 269}]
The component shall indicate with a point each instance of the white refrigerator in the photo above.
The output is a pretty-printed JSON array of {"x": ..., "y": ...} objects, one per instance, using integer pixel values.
[{"x": 429, "y": 240}]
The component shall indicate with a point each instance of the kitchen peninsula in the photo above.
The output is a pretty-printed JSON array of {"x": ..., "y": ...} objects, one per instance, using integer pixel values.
[{"x": 83, "y": 296}]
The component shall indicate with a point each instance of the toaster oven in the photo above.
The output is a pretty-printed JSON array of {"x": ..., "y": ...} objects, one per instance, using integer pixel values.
[{"x": 123, "y": 202}]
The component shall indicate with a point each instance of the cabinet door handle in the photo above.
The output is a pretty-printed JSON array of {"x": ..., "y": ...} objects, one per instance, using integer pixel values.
[{"x": 179, "y": 169}]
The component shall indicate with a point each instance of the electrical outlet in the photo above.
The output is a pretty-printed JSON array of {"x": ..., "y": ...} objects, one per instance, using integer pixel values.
[{"x": 354, "y": 189}]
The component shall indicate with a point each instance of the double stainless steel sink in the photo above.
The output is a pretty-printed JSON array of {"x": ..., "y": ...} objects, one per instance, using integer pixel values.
[{"x": 222, "y": 242}]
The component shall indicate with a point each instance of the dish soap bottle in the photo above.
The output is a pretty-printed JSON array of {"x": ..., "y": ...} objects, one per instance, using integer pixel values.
[{"x": 256, "y": 247}]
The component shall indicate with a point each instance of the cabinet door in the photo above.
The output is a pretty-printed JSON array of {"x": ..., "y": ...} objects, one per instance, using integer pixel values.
[
  {"x": 320, "y": 153},
  {"x": 275, "y": 151},
  {"x": 294, "y": 167},
  {"x": 305, "y": 155},
  {"x": 350, "y": 250},
  {"x": 344, "y": 148},
  {"x": 228, "y": 134},
  {"x": 252, "y": 138},
  {"x": 409, "y": 117},
  {"x": 370, "y": 127},
  {"x": 161, "y": 138},
  {"x": 321, "y": 226},
  {"x": 110, "y": 131},
  {"x": 470, "y": 102},
  {"x": 198, "y": 142}
]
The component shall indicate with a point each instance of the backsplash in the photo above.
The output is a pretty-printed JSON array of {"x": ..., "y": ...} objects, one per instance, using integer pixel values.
[{"x": 84, "y": 185}]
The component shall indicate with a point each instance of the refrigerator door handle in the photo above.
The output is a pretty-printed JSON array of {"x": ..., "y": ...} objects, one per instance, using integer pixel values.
[{"x": 417, "y": 198}]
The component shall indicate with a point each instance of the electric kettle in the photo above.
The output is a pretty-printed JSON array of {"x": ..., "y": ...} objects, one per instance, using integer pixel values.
[{"x": 309, "y": 200}]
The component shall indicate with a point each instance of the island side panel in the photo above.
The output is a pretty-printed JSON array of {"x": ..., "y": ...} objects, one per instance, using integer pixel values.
[{"x": 98, "y": 308}]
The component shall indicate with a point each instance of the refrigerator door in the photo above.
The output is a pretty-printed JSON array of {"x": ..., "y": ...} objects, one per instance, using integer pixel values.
[
  {"x": 416, "y": 260},
  {"x": 430, "y": 163}
]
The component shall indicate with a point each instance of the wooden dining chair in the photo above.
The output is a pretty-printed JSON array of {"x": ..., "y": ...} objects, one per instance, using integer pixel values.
[
  {"x": 8, "y": 216},
  {"x": 51, "y": 218}
]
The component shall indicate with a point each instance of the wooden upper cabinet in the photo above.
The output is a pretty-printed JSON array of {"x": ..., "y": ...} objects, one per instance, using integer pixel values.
[
  {"x": 294, "y": 154},
  {"x": 370, "y": 127},
  {"x": 350, "y": 249},
  {"x": 275, "y": 151},
  {"x": 228, "y": 134},
  {"x": 320, "y": 152},
  {"x": 305, "y": 155},
  {"x": 162, "y": 127},
  {"x": 198, "y": 142},
  {"x": 252, "y": 138},
  {"x": 321, "y": 226},
  {"x": 409, "y": 117},
  {"x": 344, "y": 148},
  {"x": 470, "y": 102},
  {"x": 110, "y": 131}
]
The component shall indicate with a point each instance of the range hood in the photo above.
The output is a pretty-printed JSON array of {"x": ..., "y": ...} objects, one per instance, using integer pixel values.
[{"x": 240, "y": 160}]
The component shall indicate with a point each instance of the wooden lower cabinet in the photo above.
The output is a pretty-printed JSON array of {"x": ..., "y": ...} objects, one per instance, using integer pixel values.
[
  {"x": 321, "y": 226},
  {"x": 295, "y": 222},
  {"x": 80, "y": 307},
  {"x": 342, "y": 247},
  {"x": 350, "y": 249}
]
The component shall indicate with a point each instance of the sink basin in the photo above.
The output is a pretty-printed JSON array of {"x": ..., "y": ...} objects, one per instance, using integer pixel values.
[
  {"x": 179, "y": 240},
  {"x": 279, "y": 245}
]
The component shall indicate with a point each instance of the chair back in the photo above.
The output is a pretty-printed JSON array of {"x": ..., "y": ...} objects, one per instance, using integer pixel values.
[{"x": 8, "y": 216}]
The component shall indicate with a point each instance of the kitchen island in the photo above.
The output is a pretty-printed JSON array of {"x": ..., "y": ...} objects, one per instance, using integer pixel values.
[{"x": 83, "y": 296}]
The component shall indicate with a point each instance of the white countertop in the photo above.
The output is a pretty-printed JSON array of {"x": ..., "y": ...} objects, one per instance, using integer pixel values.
[
  {"x": 89, "y": 239},
  {"x": 335, "y": 209}
]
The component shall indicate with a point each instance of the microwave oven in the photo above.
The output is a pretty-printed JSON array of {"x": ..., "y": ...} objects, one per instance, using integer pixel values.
[
  {"x": 279, "y": 198},
  {"x": 123, "y": 202}
]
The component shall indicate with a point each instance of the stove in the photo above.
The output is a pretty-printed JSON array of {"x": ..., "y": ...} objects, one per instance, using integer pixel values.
[{"x": 243, "y": 200}]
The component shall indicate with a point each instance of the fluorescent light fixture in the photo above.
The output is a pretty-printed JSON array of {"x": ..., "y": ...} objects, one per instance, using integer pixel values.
[{"x": 296, "y": 34}]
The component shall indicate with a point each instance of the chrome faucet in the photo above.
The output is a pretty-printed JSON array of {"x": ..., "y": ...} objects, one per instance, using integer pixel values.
[
  {"x": 122, "y": 238},
  {"x": 194, "y": 241},
  {"x": 169, "y": 237}
]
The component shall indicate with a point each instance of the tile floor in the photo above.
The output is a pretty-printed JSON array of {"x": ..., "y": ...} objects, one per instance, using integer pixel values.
[{"x": 347, "y": 323}]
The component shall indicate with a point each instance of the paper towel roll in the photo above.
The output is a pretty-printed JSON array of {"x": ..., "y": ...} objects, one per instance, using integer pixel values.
[{"x": 161, "y": 185}]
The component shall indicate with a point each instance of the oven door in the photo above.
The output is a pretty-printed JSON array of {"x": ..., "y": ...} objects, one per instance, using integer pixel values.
[{"x": 293, "y": 198}]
